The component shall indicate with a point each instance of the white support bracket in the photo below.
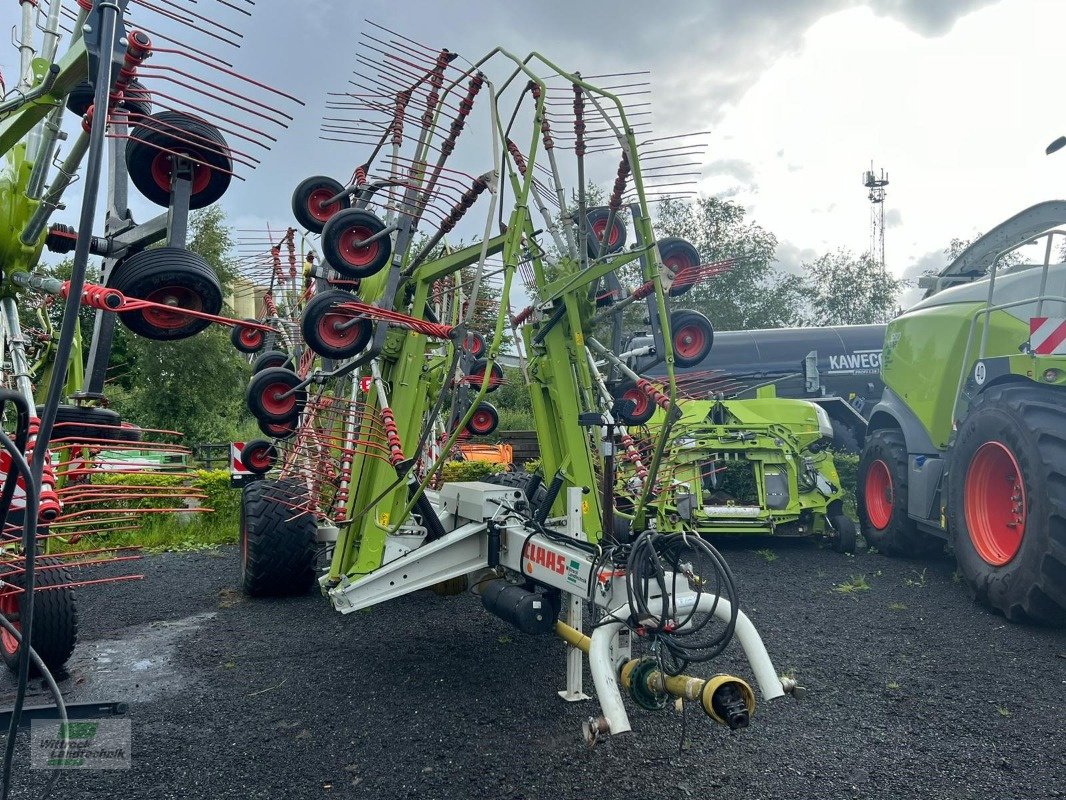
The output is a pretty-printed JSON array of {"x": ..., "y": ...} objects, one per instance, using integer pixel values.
[{"x": 574, "y": 609}]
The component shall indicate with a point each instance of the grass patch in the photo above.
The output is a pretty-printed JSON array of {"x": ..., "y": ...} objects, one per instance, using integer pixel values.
[
  {"x": 898, "y": 606},
  {"x": 916, "y": 582},
  {"x": 853, "y": 585},
  {"x": 767, "y": 555}
]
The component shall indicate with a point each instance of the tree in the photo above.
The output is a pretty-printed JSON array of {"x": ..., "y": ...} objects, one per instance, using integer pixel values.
[
  {"x": 195, "y": 385},
  {"x": 753, "y": 294},
  {"x": 844, "y": 289}
]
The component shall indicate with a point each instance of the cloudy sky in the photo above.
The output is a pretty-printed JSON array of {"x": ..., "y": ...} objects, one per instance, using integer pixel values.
[{"x": 955, "y": 99}]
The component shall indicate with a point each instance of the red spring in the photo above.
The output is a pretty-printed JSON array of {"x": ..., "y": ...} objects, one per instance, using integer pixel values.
[
  {"x": 620, "y": 183},
  {"x": 269, "y": 304},
  {"x": 464, "y": 204},
  {"x": 392, "y": 436},
  {"x": 516, "y": 154},
  {"x": 359, "y": 178},
  {"x": 275, "y": 255},
  {"x": 290, "y": 244},
  {"x": 139, "y": 48},
  {"x": 466, "y": 105},
  {"x": 579, "y": 121},
  {"x": 402, "y": 99},
  {"x": 48, "y": 507},
  {"x": 660, "y": 399},
  {"x": 436, "y": 81},
  {"x": 633, "y": 455},
  {"x": 522, "y": 316},
  {"x": 101, "y": 297}
]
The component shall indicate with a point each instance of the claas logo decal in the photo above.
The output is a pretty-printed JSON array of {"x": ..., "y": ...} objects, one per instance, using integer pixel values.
[{"x": 549, "y": 560}]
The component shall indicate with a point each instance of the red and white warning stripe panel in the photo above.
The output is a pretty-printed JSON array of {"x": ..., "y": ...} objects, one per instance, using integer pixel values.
[
  {"x": 1047, "y": 336},
  {"x": 236, "y": 466}
]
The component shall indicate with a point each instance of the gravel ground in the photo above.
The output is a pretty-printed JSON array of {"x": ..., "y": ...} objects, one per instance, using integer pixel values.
[{"x": 913, "y": 692}]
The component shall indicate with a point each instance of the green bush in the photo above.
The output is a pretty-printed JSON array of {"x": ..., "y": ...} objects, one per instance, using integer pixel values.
[
  {"x": 848, "y": 470},
  {"x": 468, "y": 470},
  {"x": 514, "y": 419}
]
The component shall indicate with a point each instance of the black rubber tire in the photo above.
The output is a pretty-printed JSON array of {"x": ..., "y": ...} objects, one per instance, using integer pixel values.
[
  {"x": 247, "y": 340},
  {"x": 130, "y": 433},
  {"x": 474, "y": 343},
  {"x": 521, "y": 480},
  {"x": 318, "y": 324},
  {"x": 843, "y": 536},
  {"x": 263, "y": 403},
  {"x": 136, "y": 99},
  {"x": 314, "y": 189},
  {"x": 1030, "y": 422},
  {"x": 845, "y": 438},
  {"x": 643, "y": 407},
  {"x": 900, "y": 536},
  {"x": 80, "y": 423},
  {"x": 476, "y": 376},
  {"x": 683, "y": 259},
  {"x": 259, "y": 456},
  {"x": 80, "y": 98},
  {"x": 277, "y": 544},
  {"x": 55, "y": 616},
  {"x": 285, "y": 429},
  {"x": 485, "y": 420},
  {"x": 148, "y": 161},
  {"x": 272, "y": 358},
  {"x": 173, "y": 276},
  {"x": 340, "y": 251},
  {"x": 598, "y": 215},
  {"x": 692, "y": 337}
]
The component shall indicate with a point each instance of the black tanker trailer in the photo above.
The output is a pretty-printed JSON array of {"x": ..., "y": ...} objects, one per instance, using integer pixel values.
[{"x": 837, "y": 367}]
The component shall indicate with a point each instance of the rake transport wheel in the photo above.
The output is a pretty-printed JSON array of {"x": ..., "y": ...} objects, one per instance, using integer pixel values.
[
  {"x": 597, "y": 232},
  {"x": 285, "y": 429},
  {"x": 882, "y": 498},
  {"x": 484, "y": 421},
  {"x": 692, "y": 337},
  {"x": 637, "y": 407},
  {"x": 135, "y": 99},
  {"x": 55, "y": 614},
  {"x": 474, "y": 343},
  {"x": 476, "y": 376},
  {"x": 1007, "y": 501},
  {"x": 309, "y": 204},
  {"x": 83, "y": 423},
  {"x": 273, "y": 397},
  {"x": 247, "y": 340},
  {"x": 271, "y": 358},
  {"x": 277, "y": 542},
  {"x": 154, "y": 143},
  {"x": 173, "y": 277},
  {"x": 259, "y": 456},
  {"x": 343, "y": 248},
  {"x": 333, "y": 331},
  {"x": 683, "y": 259}
]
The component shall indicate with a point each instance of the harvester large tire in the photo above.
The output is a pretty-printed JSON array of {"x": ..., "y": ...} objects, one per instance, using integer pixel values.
[
  {"x": 1007, "y": 501},
  {"x": 845, "y": 438},
  {"x": 277, "y": 542},
  {"x": 882, "y": 498},
  {"x": 55, "y": 615},
  {"x": 81, "y": 423}
]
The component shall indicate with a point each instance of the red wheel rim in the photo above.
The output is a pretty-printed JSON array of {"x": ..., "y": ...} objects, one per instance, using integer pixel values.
[
  {"x": 279, "y": 428},
  {"x": 250, "y": 337},
  {"x": 9, "y": 607},
  {"x": 879, "y": 495},
  {"x": 689, "y": 341},
  {"x": 335, "y": 337},
  {"x": 639, "y": 400},
  {"x": 317, "y": 206},
  {"x": 163, "y": 167},
  {"x": 272, "y": 401},
  {"x": 352, "y": 249},
  {"x": 473, "y": 344},
  {"x": 995, "y": 503},
  {"x": 481, "y": 422},
  {"x": 260, "y": 458},
  {"x": 684, "y": 271},
  {"x": 599, "y": 226},
  {"x": 178, "y": 297}
]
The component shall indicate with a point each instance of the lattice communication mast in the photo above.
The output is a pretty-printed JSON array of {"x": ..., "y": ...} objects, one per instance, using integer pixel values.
[{"x": 876, "y": 185}]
